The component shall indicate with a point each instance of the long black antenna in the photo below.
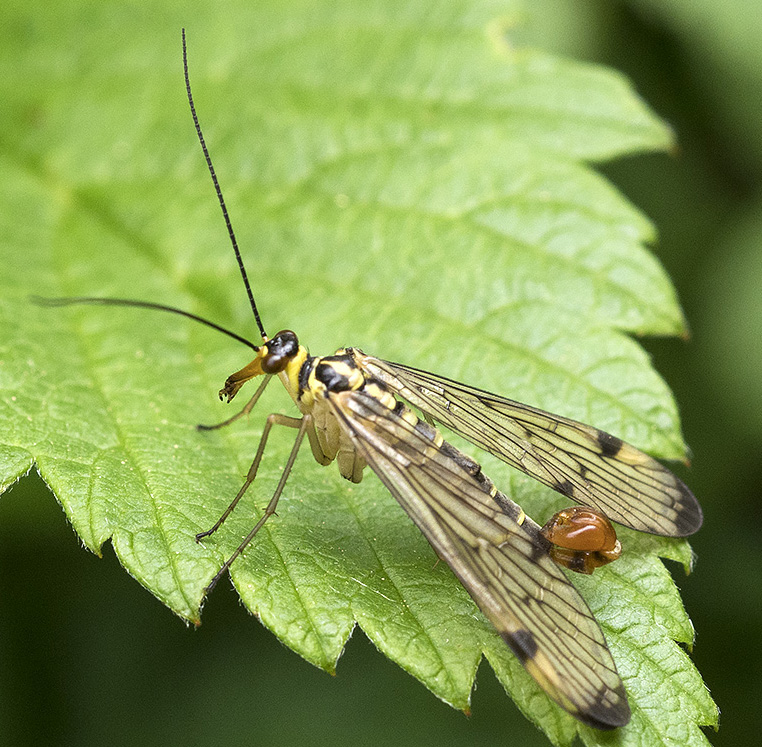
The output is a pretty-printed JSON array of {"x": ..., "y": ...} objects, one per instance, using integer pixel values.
[
  {"x": 70, "y": 301},
  {"x": 219, "y": 193}
]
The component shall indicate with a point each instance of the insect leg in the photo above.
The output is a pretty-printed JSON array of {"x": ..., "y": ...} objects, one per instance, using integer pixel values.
[
  {"x": 246, "y": 410},
  {"x": 274, "y": 419},
  {"x": 317, "y": 450}
]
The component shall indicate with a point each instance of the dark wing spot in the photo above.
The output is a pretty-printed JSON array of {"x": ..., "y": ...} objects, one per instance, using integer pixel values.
[
  {"x": 606, "y": 716},
  {"x": 522, "y": 643},
  {"x": 689, "y": 516},
  {"x": 610, "y": 445},
  {"x": 565, "y": 488}
]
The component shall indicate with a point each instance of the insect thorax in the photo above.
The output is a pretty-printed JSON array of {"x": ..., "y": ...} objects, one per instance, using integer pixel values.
[{"x": 322, "y": 378}]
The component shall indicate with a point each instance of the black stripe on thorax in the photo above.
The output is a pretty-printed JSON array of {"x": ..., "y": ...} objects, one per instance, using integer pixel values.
[{"x": 304, "y": 373}]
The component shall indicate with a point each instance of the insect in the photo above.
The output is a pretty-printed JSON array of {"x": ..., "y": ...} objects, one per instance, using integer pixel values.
[{"x": 360, "y": 410}]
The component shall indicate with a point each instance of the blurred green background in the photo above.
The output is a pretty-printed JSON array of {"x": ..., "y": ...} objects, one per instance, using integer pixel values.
[{"x": 87, "y": 656}]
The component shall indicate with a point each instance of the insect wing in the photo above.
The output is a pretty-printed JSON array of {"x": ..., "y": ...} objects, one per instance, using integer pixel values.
[
  {"x": 499, "y": 557},
  {"x": 587, "y": 465}
]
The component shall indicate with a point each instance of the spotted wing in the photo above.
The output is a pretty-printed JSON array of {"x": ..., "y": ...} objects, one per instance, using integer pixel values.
[
  {"x": 589, "y": 466},
  {"x": 498, "y": 555}
]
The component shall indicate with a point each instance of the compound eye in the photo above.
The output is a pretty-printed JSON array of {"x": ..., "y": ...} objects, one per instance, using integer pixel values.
[
  {"x": 273, "y": 364},
  {"x": 280, "y": 351}
]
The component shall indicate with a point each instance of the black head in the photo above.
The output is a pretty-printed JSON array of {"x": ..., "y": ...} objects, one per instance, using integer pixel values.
[{"x": 279, "y": 351}]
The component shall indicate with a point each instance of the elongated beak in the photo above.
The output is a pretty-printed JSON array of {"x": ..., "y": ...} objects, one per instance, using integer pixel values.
[{"x": 235, "y": 381}]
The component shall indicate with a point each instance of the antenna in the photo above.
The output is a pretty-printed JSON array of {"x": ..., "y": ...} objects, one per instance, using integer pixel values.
[
  {"x": 219, "y": 193},
  {"x": 40, "y": 301}
]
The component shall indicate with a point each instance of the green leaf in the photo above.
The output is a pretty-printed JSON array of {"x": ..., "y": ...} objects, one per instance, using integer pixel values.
[{"x": 407, "y": 179}]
